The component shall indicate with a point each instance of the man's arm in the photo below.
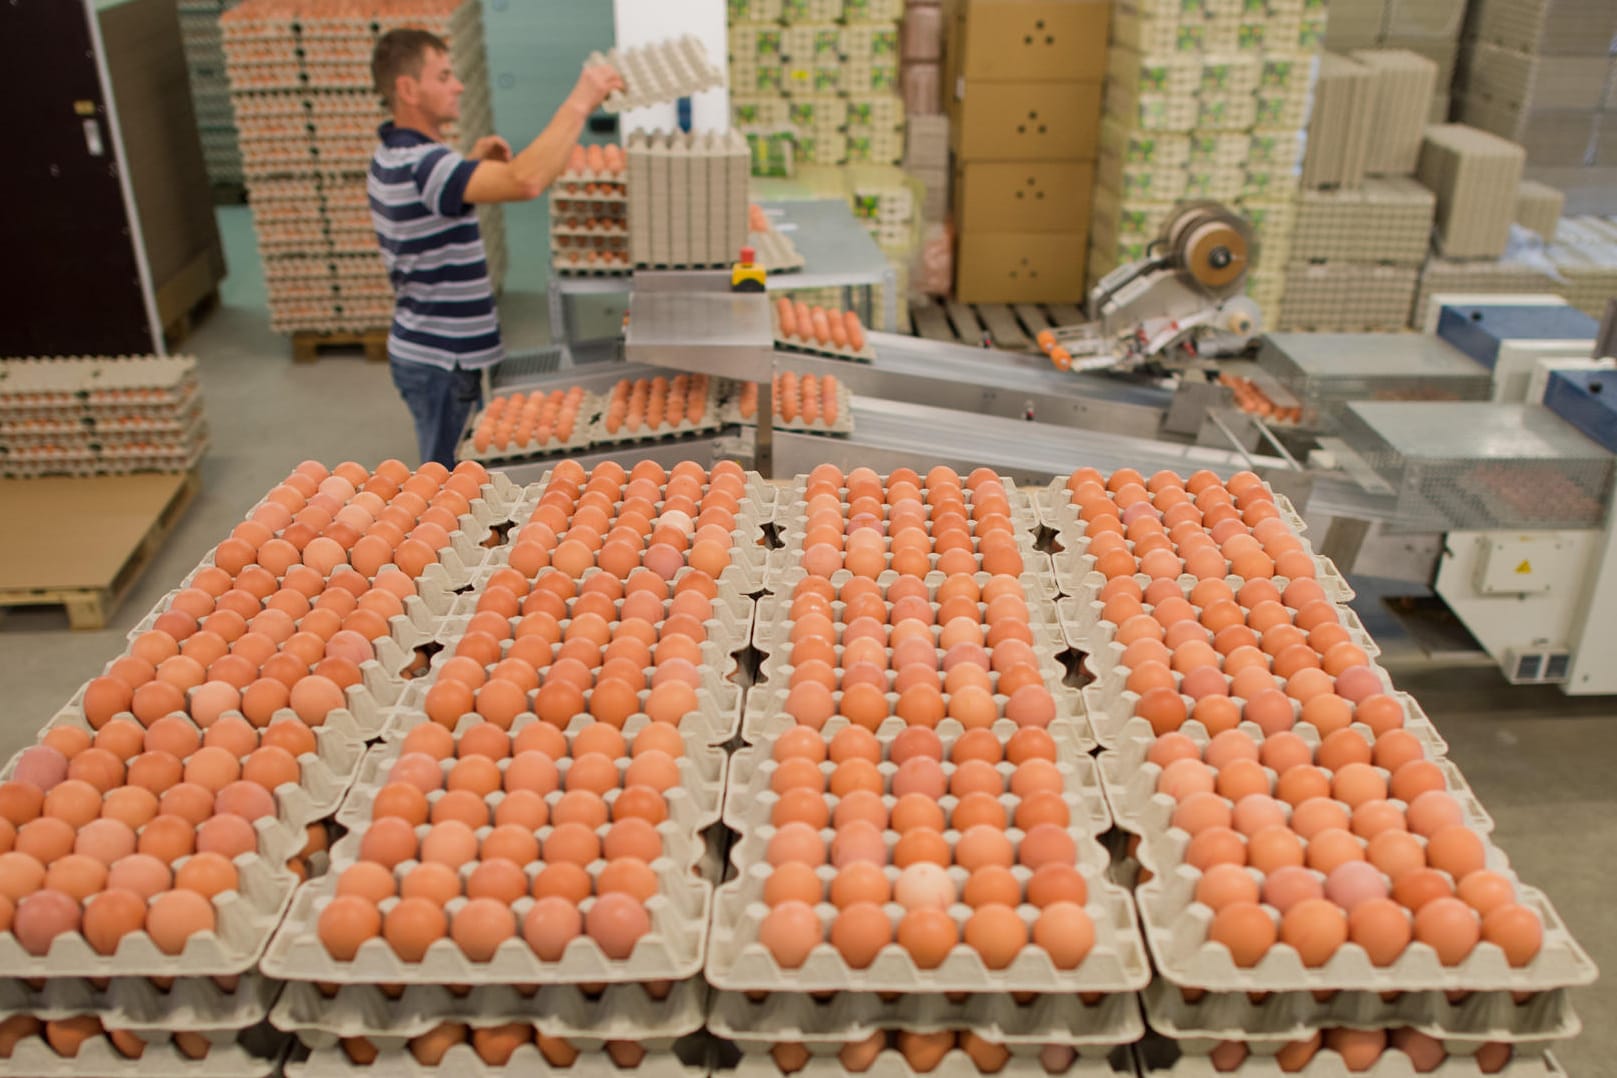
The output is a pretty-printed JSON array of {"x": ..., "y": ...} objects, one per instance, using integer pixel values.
[{"x": 526, "y": 175}]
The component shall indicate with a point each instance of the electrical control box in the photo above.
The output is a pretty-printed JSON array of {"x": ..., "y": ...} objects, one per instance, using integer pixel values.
[{"x": 1521, "y": 564}]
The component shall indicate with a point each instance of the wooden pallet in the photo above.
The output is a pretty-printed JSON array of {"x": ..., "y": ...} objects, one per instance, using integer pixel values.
[
  {"x": 135, "y": 531},
  {"x": 308, "y": 345},
  {"x": 1011, "y": 327},
  {"x": 175, "y": 333}
]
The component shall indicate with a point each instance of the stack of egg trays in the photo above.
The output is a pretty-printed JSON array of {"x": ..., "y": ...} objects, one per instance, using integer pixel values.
[
  {"x": 588, "y": 409},
  {"x": 712, "y": 419},
  {"x": 1027, "y": 1060},
  {"x": 570, "y": 197},
  {"x": 659, "y": 72},
  {"x": 253, "y": 1052},
  {"x": 812, "y": 346}
]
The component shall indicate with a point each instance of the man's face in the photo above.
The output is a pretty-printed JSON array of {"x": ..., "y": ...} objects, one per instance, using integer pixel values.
[{"x": 436, "y": 91}]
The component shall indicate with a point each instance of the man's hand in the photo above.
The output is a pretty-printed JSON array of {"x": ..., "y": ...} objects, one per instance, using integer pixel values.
[
  {"x": 593, "y": 86},
  {"x": 491, "y": 148}
]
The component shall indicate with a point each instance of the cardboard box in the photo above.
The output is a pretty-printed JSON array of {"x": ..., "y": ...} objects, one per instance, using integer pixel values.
[
  {"x": 1025, "y": 121},
  {"x": 1547, "y": 27},
  {"x": 1030, "y": 40},
  {"x": 1533, "y": 81},
  {"x": 1474, "y": 175},
  {"x": 1023, "y": 196},
  {"x": 1020, "y": 267}
]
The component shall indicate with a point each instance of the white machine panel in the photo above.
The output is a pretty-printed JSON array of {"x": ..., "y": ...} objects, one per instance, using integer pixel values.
[
  {"x": 1523, "y": 564},
  {"x": 1513, "y": 370}
]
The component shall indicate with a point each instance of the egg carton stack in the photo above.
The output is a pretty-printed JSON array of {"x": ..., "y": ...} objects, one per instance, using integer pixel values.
[
  {"x": 821, "y": 77},
  {"x": 210, "y": 89},
  {"x": 917, "y": 882},
  {"x": 100, "y": 416},
  {"x": 1206, "y": 99},
  {"x": 687, "y": 198},
  {"x": 531, "y": 830},
  {"x": 1314, "y": 876},
  {"x": 307, "y": 115},
  {"x": 158, "y": 829},
  {"x": 801, "y": 402},
  {"x": 589, "y": 213}
]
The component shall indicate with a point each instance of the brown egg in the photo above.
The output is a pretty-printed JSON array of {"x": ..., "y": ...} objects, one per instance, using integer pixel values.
[{"x": 175, "y": 916}]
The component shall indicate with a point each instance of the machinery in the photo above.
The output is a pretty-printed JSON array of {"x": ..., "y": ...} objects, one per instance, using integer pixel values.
[{"x": 1187, "y": 298}]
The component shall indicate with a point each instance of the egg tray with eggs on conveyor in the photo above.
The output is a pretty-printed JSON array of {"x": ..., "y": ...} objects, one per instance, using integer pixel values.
[
  {"x": 693, "y": 803},
  {"x": 689, "y": 1059},
  {"x": 671, "y": 951},
  {"x": 246, "y": 1053},
  {"x": 733, "y": 414},
  {"x": 850, "y": 1017},
  {"x": 628, "y": 437},
  {"x": 244, "y": 920},
  {"x": 785, "y": 342},
  {"x": 1024, "y": 511},
  {"x": 90, "y": 385},
  {"x": 789, "y": 559},
  {"x": 197, "y": 1004},
  {"x": 758, "y": 501},
  {"x": 1393, "y": 1063},
  {"x": 1023, "y": 1062},
  {"x": 588, "y": 408},
  {"x": 1176, "y": 927},
  {"x": 586, "y": 1020},
  {"x": 1072, "y": 567},
  {"x": 738, "y": 962},
  {"x": 749, "y": 799},
  {"x": 1055, "y": 507}
]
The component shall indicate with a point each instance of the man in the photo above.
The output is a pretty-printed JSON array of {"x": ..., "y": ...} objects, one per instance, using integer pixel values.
[{"x": 423, "y": 198}]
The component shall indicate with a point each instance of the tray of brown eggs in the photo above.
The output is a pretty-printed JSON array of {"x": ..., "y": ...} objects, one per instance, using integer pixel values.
[
  {"x": 949, "y": 1053},
  {"x": 1383, "y": 1053},
  {"x": 648, "y": 486},
  {"x": 88, "y": 1044},
  {"x": 524, "y": 424},
  {"x": 644, "y": 408},
  {"x": 512, "y": 1048},
  {"x": 143, "y": 1003},
  {"x": 980, "y": 502},
  {"x": 821, "y": 330},
  {"x": 1057, "y": 508},
  {"x": 801, "y": 402}
]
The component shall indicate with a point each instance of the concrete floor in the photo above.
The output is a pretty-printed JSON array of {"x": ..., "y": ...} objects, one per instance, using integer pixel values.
[{"x": 1543, "y": 764}]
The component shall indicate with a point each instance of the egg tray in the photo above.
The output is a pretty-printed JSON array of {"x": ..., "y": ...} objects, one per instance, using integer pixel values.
[
  {"x": 1392, "y": 1064},
  {"x": 1043, "y": 608},
  {"x": 671, "y": 951},
  {"x": 244, "y": 920},
  {"x": 580, "y": 441},
  {"x": 745, "y": 574},
  {"x": 749, "y": 800},
  {"x": 575, "y": 267},
  {"x": 812, "y": 346},
  {"x": 736, "y": 961},
  {"x": 776, "y": 251},
  {"x": 785, "y": 560},
  {"x": 1072, "y": 568},
  {"x": 1023, "y": 514},
  {"x": 80, "y": 378},
  {"x": 588, "y": 175},
  {"x": 1291, "y": 1016},
  {"x": 462, "y": 1061},
  {"x": 890, "y": 1063},
  {"x": 197, "y": 1004},
  {"x": 826, "y": 1025},
  {"x": 772, "y": 630},
  {"x": 620, "y": 1012},
  {"x": 1176, "y": 928},
  {"x": 730, "y": 409},
  {"x": 658, "y": 72},
  {"x": 1056, "y": 508},
  {"x": 711, "y": 420},
  {"x": 692, "y": 805},
  {"x": 246, "y": 1053},
  {"x": 763, "y": 494}
]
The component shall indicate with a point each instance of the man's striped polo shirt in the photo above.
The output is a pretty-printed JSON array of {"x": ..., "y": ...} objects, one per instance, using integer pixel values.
[{"x": 443, "y": 312}]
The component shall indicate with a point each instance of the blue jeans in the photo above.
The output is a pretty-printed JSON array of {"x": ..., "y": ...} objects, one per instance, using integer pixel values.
[{"x": 439, "y": 402}]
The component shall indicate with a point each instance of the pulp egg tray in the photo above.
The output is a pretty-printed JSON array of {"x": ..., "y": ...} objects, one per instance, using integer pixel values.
[
  {"x": 1176, "y": 927},
  {"x": 1023, "y": 514},
  {"x": 890, "y": 1063},
  {"x": 620, "y": 1012},
  {"x": 577, "y": 266},
  {"x": 737, "y": 961},
  {"x": 237, "y": 1053},
  {"x": 746, "y": 572},
  {"x": 136, "y": 1004},
  {"x": 1072, "y": 567},
  {"x": 731, "y": 411},
  {"x": 492, "y": 506},
  {"x": 244, "y": 920},
  {"x": 693, "y": 804},
  {"x": 815, "y": 347},
  {"x": 826, "y": 1025},
  {"x": 658, "y": 72},
  {"x": 1293, "y": 1016},
  {"x": 1056, "y": 509},
  {"x": 776, "y": 251},
  {"x": 750, "y": 800},
  {"x": 712, "y": 419},
  {"x": 761, "y": 492},
  {"x": 1391, "y": 1064},
  {"x": 671, "y": 951},
  {"x": 561, "y": 185},
  {"x": 688, "y": 1061},
  {"x": 516, "y": 451}
]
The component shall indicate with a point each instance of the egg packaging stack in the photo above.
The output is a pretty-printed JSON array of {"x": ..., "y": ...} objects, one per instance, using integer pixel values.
[
  {"x": 589, "y": 213},
  {"x": 917, "y": 882},
  {"x": 1316, "y": 880},
  {"x": 307, "y": 116},
  {"x": 100, "y": 416},
  {"x": 801, "y": 402},
  {"x": 210, "y": 91},
  {"x": 636, "y": 409},
  {"x": 821, "y": 330},
  {"x": 156, "y": 832},
  {"x": 525, "y": 882},
  {"x": 522, "y": 424}
]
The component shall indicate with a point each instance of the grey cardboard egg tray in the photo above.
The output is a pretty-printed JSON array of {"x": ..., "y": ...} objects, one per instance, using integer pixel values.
[
  {"x": 587, "y": 408},
  {"x": 658, "y": 72},
  {"x": 731, "y": 411},
  {"x": 737, "y": 961},
  {"x": 136, "y": 1004},
  {"x": 462, "y": 1061},
  {"x": 1073, "y": 566},
  {"x": 1056, "y": 508},
  {"x": 671, "y": 951},
  {"x": 1176, "y": 928},
  {"x": 826, "y": 1025},
  {"x": 589, "y": 175},
  {"x": 244, "y": 919},
  {"x": 621, "y": 1012},
  {"x": 749, "y": 800},
  {"x": 712, "y": 419},
  {"x": 1290, "y": 1016},
  {"x": 813, "y": 346},
  {"x": 892, "y": 1064},
  {"x": 1328, "y": 1064},
  {"x": 693, "y": 804},
  {"x": 246, "y": 1053}
]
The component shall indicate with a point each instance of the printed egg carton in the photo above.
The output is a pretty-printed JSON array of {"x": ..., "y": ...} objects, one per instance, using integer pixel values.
[
  {"x": 730, "y": 409},
  {"x": 749, "y": 799},
  {"x": 1024, "y": 514},
  {"x": 825, "y": 1025},
  {"x": 462, "y": 1061},
  {"x": 515, "y": 451},
  {"x": 243, "y": 1053},
  {"x": 198, "y": 1004},
  {"x": 1056, "y": 508},
  {"x": 659, "y": 72},
  {"x": 244, "y": 920},
  {"x": 619, "y": 1012},
  {"x": 1073, "y": 567},
  {"x": 693, "y": 804},
  {"x": 1024, "y": 1062},
  {"x": 671, "y": 951},
  {"x": 738, "y": 962},
  {"x": 815, "y": 347},
  {"x": 1176, "y": 927},
  {"x": 1479, "y": 1017},
  {"x": 762, "y": 493}
]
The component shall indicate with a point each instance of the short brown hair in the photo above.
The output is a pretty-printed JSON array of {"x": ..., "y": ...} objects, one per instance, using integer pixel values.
[{"x": 401, "y": 52}]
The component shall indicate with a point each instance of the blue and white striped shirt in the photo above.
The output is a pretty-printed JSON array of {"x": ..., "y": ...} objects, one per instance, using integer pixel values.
[{"x": 443, "y": 310}]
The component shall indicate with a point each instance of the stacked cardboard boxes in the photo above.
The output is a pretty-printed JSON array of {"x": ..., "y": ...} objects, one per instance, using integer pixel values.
[
  {"x": 1025, "y": 79},
  {"x": 210, "y": 89},
  {"x": 821, "y": 74},
  {"x": 1430, "y": 28}
]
